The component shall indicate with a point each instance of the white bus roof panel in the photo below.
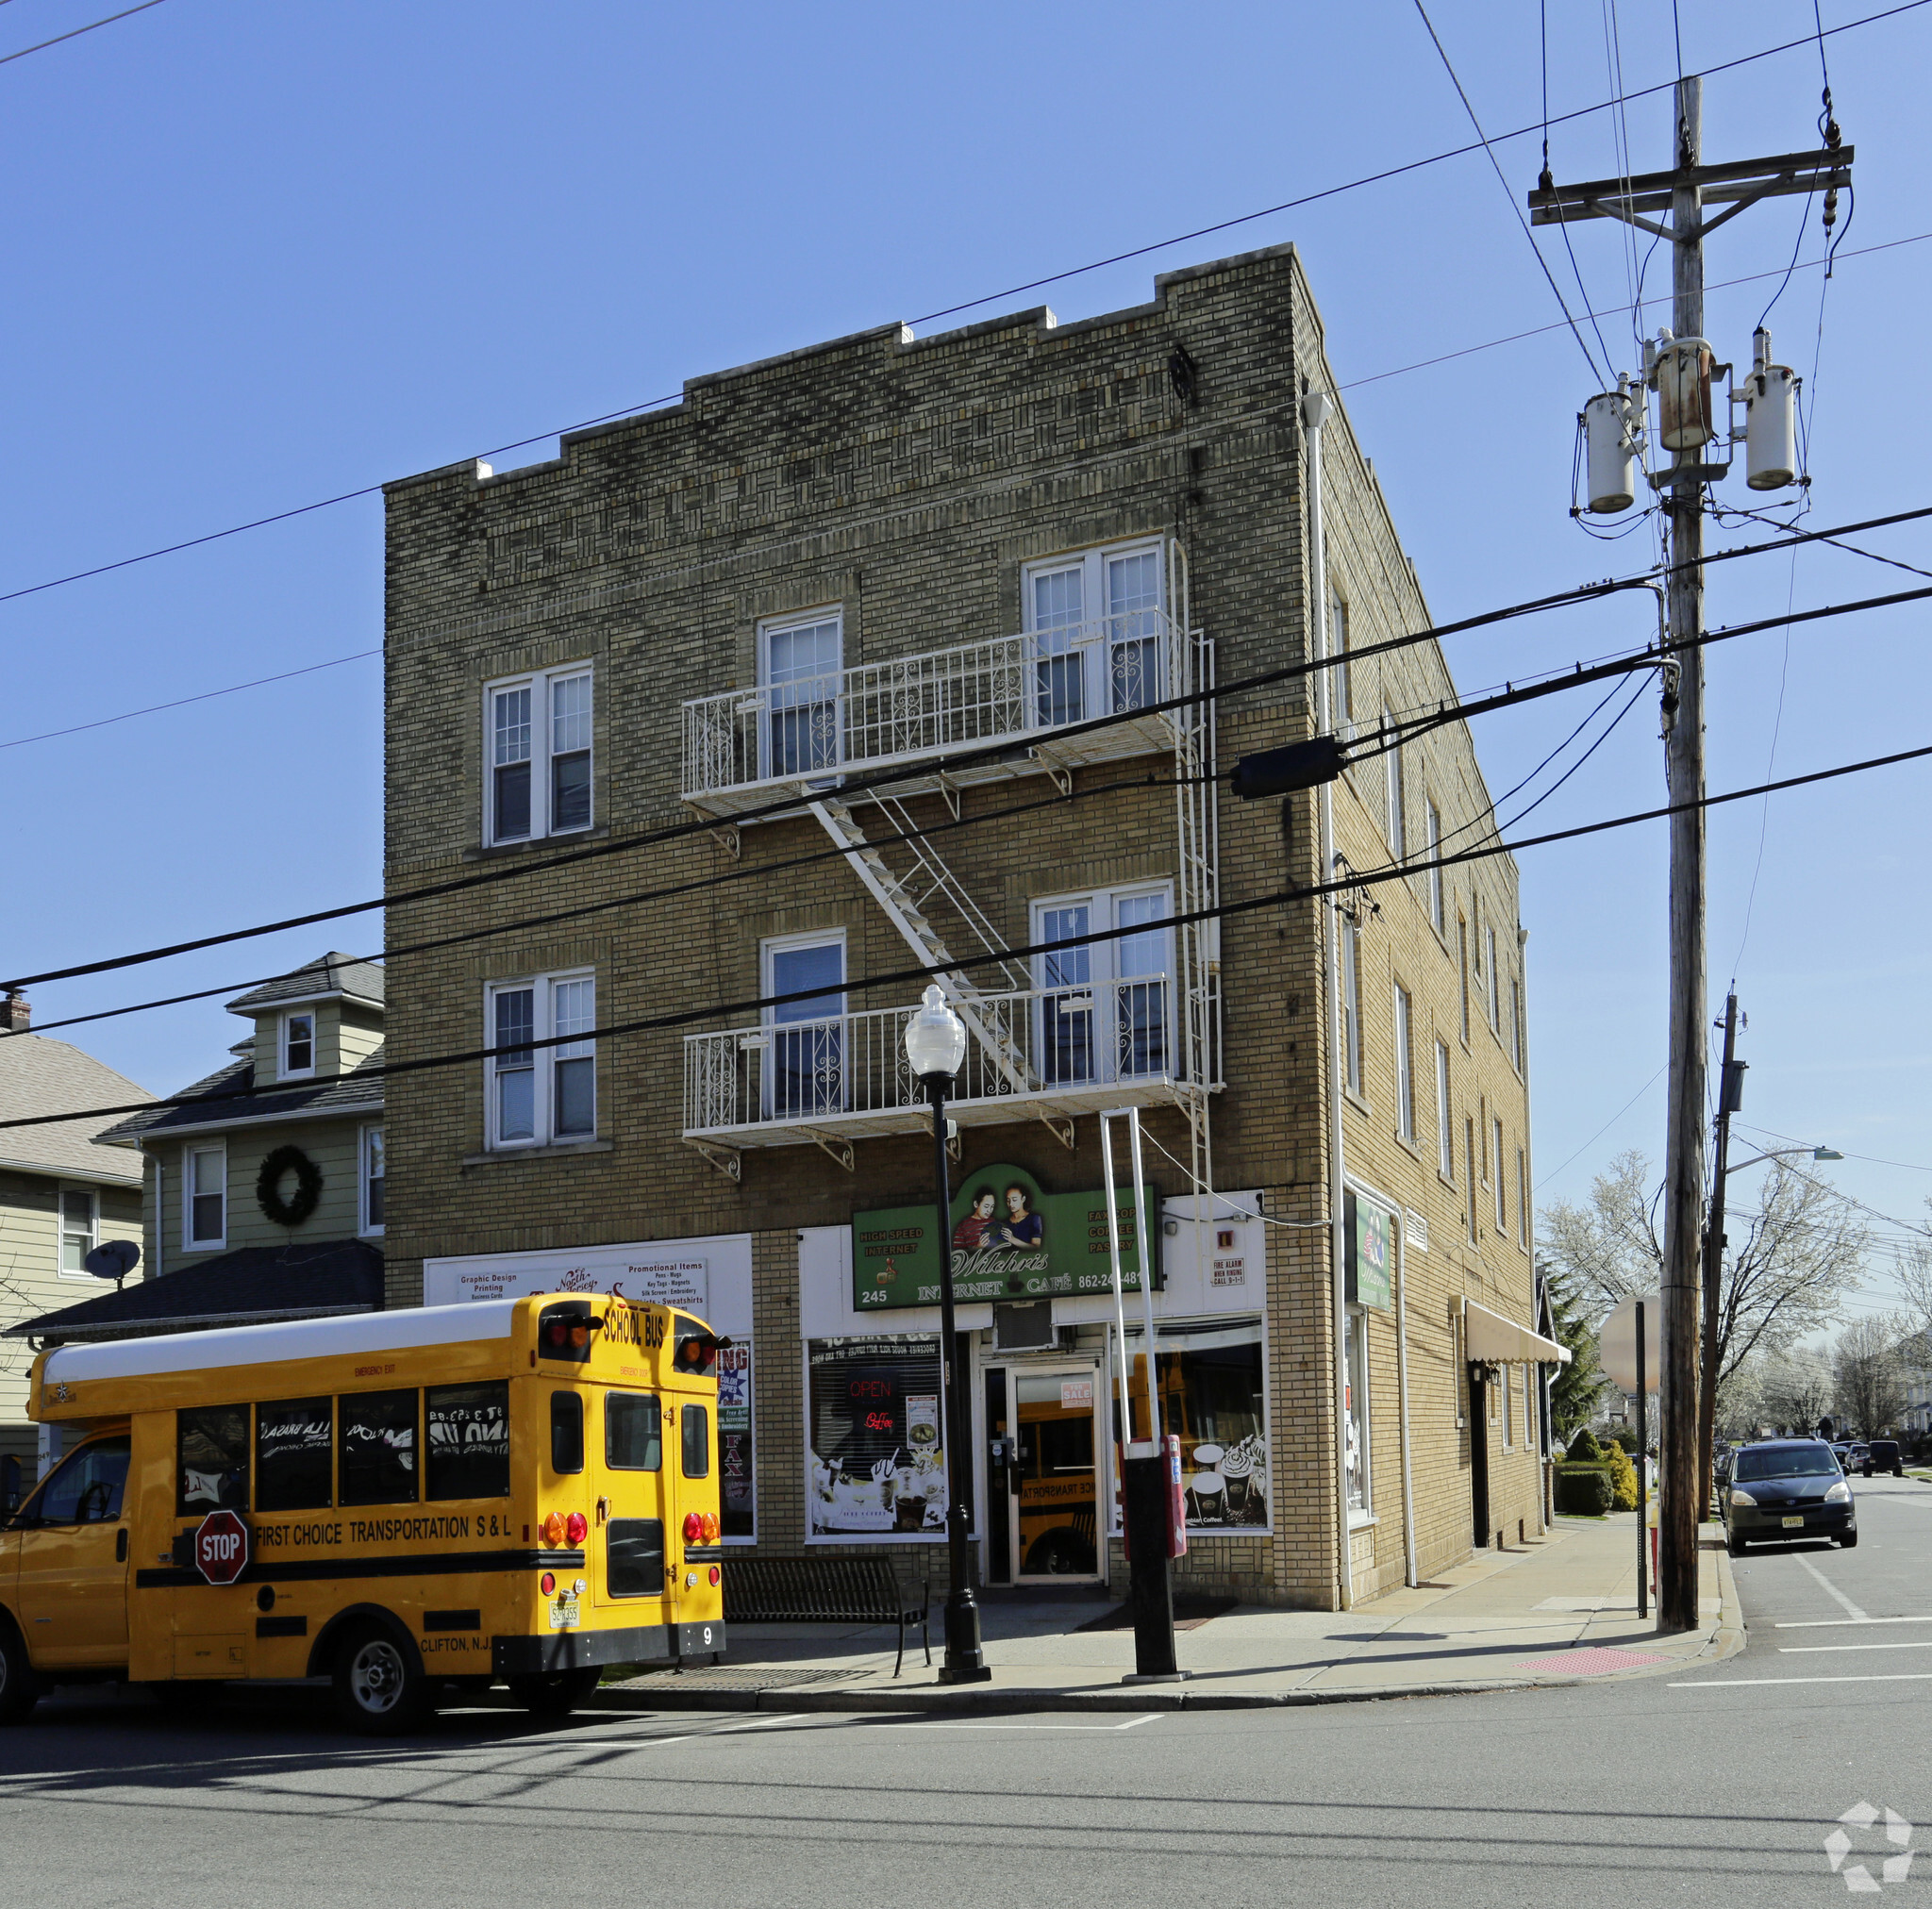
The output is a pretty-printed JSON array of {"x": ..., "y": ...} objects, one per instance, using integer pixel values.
[{"x": 383, "y": 1332}]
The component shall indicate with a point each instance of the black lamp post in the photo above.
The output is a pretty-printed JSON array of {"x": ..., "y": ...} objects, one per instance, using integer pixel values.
[{"x": 936, "y": 1046}]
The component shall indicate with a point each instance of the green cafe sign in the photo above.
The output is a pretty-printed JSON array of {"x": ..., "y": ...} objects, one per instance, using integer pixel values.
[
  {"x": 1370, "y": 1231},
  {"x": 1009, "y": 1241}
]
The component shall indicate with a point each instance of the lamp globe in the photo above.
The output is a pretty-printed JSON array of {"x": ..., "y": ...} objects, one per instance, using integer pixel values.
[{"x": 935, "y": 1038}]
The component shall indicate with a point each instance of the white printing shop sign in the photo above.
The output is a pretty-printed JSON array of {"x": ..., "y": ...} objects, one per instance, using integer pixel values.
[{"x": 650, "y": 1273}]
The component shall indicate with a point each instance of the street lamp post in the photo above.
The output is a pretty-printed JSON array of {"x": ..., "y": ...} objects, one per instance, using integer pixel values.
[{"x": 935, "y": 1047}]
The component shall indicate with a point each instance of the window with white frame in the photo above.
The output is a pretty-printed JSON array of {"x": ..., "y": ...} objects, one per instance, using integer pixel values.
[
  {"x": 541, "y": 1095},
  {"x": 298, "y": 1045},
  {"x": 1495, "y": 992},
  {"x": 205, "y": 1198},
  {"x": 1516, "y": 1021},
  {"x": 374, "y": 1167},
  {"x": 1397, "y": 818},
  {"x": 1352, "y": 1003},
  {"x": 537, "y": 744},
  {"x": 804, "y": 1037},
  {"x": 1522, "y": 1199},
  {"x": 801, "y": 665},
  {"x": 1469, "y": 1160},
  {"x": 1445, "y": 1133},
  {"x": 1462, "y": 964},
  {"x": 1501, "y": 1185},
  {"x": 1105, "y": 1009},
  {"x": 80, "y": 1214},
  {"x": 1341, "y": 689},
  {"x": 1097, "y": 621},
  {"x": 1404, "y": 1067},
  {"x": 1434, "y": 823},
  {"x": 1507, "y": 1375},
  {"x": 1355, "y": 1456}
]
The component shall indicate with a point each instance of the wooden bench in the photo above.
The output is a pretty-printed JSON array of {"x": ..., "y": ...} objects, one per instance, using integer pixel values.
[{"x": 829, "y": 1590}]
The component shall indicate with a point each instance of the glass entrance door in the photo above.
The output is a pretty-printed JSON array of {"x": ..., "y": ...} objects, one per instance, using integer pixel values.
[{"x": 1048, "y": 1488}]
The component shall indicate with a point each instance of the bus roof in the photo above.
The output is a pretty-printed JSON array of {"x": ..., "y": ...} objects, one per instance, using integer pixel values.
[{"x": 431, "y": 1325}]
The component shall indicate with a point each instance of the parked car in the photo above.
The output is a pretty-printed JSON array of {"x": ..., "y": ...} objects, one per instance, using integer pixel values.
[
  {"x": 1856, "y": 1456},
  {"x": 1787, "y": 1488},
  {"x": 1883, "y": 1454}
]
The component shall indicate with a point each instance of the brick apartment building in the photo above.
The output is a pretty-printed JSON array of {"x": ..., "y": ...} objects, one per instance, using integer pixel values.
[{"x": 932, "y": 558}]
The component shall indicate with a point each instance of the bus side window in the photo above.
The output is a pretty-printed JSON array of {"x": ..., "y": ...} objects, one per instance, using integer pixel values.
[
  {"x": 697, "y": 1442},
  {"x": 212, "y": 1460},
  {"x": 468, "y": 1429},
  {"x": 633, "y": 1432},
  {"x": 375, "y": 1458},
  {"x": 566, "y": 1432},
  {"x": 291, "y": 1455}
]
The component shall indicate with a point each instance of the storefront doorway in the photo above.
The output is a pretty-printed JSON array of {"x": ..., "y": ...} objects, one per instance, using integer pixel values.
[{"x": 1043, "y": 1482}]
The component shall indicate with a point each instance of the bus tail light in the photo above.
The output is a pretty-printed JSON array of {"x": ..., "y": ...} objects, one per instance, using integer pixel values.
[
  {"x": 716, "y": 1574},
  {"x": 712, "y": 1527},
  {"x": 693, "y": 1528},
  {"x": 547, "y": 1583},
  {"x": 577, "y": 1527},
  {"x": 551, "y": 1529}
]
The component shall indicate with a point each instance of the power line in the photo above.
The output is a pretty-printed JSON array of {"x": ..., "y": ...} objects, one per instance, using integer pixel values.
[
  {"x": 6, "y": 57},
  {"x": 853, "y": 785},
  {"x": 1353, "y": 882},
  {"x": 993, "y": 297}
]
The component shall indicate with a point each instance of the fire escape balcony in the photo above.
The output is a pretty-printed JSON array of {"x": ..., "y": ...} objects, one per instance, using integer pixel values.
[
  {"x": 1047, "y": 1054},
  {"x": 746, "y": 747}
]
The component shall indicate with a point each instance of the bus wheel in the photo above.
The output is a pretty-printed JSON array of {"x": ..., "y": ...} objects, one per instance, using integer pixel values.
[
  {"x": 379, "y": 1686},
  {"x": 554, "y": 1693},
  {"x": 20, "y": 1689}
]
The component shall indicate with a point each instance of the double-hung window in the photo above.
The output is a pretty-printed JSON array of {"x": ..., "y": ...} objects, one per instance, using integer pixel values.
[
  {"x": 1397, "y": 820},
  {"x": 205, "y": 1198},
  {"x": 298, "y": 1046},
  {"x": 1341, "y": 689},
  {"x": 1106, "y": 1009},
  {"x": 804, "y": 1037},
  {"x": 539, "y": 1095},
  {"x": 80, "y": 1227},
  {"x": 374, "y": 1169},
  {"x": 1502, "y": 1184},
  {"x": 1352, "y": 1003},
  {"x": 1404, "y": 1070},
  {"x": 1516, "y": 1021},
  {"x": 1097, "y": 621},
  {"x": 1495, "y": 990},
  {"x": 536, "y": 745},
  {"x": 801, "y": 661},
  {"x": 1434, "y": 820},
  {"x": 1445, "y": 1132}
]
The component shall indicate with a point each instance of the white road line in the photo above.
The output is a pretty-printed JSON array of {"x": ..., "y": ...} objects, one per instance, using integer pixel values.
[
  {"x": 762, "y": 1723},
  {"x": 1809, "y": 1650},
  {"x": 1131, "y": 1723},
  {"x": 1838, "y": 1623},
  {"x": 1845, "y": 1604},
  {"x": 1739, "y": 1682}
]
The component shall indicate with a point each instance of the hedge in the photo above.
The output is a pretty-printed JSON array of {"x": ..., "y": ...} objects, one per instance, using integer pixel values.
[{"x": 1583, "y": 1491}]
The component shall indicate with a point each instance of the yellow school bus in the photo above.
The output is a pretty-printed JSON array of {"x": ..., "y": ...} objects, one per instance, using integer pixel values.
[{"x": 515, "y": 1491}]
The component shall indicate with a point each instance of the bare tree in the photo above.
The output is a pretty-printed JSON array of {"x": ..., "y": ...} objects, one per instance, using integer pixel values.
[
  {"x": 1869, "y": 1374},
  {"x": 1797, "y": 1389},
  {"x": 1790, "y": 1259}
]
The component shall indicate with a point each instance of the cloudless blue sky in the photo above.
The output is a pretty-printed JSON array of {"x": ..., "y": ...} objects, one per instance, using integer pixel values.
[{"x": 260, "y": 255}]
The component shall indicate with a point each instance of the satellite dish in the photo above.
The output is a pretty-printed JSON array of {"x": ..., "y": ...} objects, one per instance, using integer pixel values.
[{"x": 113, "y": 1260}]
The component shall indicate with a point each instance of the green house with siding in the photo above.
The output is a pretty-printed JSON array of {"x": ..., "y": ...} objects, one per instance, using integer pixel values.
[{"x": 262, "y": 1187}]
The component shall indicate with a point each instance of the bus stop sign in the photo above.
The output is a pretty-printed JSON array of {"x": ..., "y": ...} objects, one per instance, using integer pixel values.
[{"x": 221, "y": 1547}]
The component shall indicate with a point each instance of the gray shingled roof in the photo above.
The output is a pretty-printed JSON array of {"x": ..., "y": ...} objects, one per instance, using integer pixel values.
[
  {"x": 244, "y": 1288},
  {"x": 43, "y": 1076},
  {"x": 351, "y": 1093},
  {"x": 332, "y": 973}
]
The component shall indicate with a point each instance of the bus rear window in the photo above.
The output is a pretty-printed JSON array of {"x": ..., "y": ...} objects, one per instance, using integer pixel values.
[
  {"x": 212, "y": 1460},
  {"x": 292, "y": 1438},
  {"x": 697, "y": 1442},
  {"x": 633, "y": 1434},
  {"x": 468, "y": 1436},
  {"x": 566, "y": 1432},
  {"x": 377, "y": 1449}
]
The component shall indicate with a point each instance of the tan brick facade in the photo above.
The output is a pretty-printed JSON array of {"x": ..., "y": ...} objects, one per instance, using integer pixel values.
[{"x": 909, "y": 482}]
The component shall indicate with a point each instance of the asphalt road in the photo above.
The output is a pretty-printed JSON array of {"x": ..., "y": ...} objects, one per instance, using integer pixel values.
[{"x": 1721, "y": 1783}]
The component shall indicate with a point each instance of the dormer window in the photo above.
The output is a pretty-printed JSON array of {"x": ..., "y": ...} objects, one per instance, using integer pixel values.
[{"x": 298, "y": 1045}]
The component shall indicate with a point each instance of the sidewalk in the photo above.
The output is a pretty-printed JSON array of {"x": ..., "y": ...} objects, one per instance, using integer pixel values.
[{"x": 1555, "y": 1611}]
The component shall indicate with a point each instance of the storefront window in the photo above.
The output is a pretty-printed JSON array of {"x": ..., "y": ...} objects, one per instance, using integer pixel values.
[
  {"x": 737, "y": 1488},
  {"x": 876, "y": 1466},
  {"x": 1355, "y": 1446},
  {"x": 1211, "y": 1398}
]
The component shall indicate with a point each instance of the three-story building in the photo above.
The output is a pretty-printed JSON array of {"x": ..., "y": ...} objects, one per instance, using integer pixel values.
[{"x": 879, "y": 661}]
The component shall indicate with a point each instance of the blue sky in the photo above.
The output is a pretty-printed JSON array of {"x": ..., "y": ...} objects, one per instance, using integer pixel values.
[{"x": 260, "y": 255}]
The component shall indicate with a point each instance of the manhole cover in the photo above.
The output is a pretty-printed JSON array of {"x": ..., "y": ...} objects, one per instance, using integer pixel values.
[{"x": 1591, "y": 1661}]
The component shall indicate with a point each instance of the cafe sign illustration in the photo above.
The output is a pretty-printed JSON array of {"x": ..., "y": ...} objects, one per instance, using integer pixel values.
[{"x": 1010, "y": 1241}]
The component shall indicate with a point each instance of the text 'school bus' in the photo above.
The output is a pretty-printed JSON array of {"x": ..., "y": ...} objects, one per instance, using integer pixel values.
[{"x": 515, "y": 1491}]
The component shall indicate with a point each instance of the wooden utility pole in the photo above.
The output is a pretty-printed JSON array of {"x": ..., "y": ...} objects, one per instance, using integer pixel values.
[
  {"x": 1684, "y": 193},
  {"x": 1729, "y": 1099}
]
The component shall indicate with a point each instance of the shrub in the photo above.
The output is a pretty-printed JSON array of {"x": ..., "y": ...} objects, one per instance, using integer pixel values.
[
  {"x": 1583, "y": 1490},
  {"x": 1623, "y": 1439},
  {"x": 1623, "y": 1477},
  {"x": 1584, "y": 1450}
]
